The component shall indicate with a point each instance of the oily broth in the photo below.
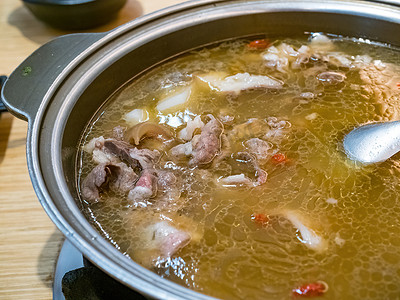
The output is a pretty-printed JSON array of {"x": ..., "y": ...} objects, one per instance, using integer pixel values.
[{"x": 354, "y": 208}]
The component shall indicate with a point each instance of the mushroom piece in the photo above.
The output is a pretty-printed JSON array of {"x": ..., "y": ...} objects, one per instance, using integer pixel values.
[{"x": 146, "y": 129}]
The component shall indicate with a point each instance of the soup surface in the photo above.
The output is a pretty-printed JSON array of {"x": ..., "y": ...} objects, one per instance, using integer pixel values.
[{"x": 223, "y": 171}]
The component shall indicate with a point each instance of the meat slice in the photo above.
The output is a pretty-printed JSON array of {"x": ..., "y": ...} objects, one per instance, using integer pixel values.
[
  {"x": 181, "y": 151},
  {"x": 275, "y": 58},
  {"x": 123, "y": 178},
  {"x": 109, "y": 151},
  {"x": 100, "y": 155},
  {"x": 259, "y": 148},
  {"x": 93, "y": 182},
  {"x": 112, "y": 151},
  {"x": 241, "y": 81},
  {"x": 163, "y": 236},
  {"x": 119, "y": 177},
  {"x": 245, "y": 81},
  {"x": 192, "y": 125},
  {"x": 122, "y": 150},
  {"x": 321, "y": 42},
  {"x": 146, "y": 188},
  {"x": 167, "y": 239},
  {"x": 93, "y": 144},
  {"x": 208, "y": 144},
  {"x": 119, "y": 164},
  {"x": 146, "y": 157},
  {"x": 118, "y": 132}
]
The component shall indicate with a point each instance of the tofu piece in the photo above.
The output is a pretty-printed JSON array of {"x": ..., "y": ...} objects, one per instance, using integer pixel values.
[
  {"x": 136, "y": 116},
  {"x": 175, "y": 101}
]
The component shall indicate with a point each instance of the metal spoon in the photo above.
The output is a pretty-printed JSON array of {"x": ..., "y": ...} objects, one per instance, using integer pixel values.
[{"x": 373, "y": 143}]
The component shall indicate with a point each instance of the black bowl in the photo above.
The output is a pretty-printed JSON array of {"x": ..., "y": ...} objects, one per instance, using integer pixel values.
[{"x": 74, "y": 14}]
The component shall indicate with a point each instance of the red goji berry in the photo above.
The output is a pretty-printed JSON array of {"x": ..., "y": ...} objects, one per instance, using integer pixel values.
[
  {"x": 311, "y": 289},
  {"x": 260, "y": 219},
  {"x": 279, "y": 157},
  {"x": 259, "y": 44}
]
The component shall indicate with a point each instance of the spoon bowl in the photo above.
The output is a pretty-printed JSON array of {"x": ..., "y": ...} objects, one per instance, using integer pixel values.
[{"x": 373, "y": 143}]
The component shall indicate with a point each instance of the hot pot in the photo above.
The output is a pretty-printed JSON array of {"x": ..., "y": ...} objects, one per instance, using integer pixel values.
[{"x": 62, "y": 85}]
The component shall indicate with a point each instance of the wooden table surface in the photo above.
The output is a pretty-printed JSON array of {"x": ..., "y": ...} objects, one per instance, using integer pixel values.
[{"x": 29, "y": 241}]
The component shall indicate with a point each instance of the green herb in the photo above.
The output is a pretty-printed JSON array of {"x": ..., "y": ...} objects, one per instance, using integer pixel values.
[{"x": 26, "y": 71}]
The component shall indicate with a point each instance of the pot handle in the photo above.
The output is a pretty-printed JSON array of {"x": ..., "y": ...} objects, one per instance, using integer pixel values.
[
  {"x": 2, "y": 80},
  {"x": 25, "y": 88}
]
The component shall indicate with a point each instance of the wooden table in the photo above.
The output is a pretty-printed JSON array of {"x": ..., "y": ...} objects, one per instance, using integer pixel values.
[{"x": 29, "y": 242}]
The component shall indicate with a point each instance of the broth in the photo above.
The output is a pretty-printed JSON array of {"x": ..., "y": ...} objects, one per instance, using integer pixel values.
[{"x": 316, "y": 217}]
